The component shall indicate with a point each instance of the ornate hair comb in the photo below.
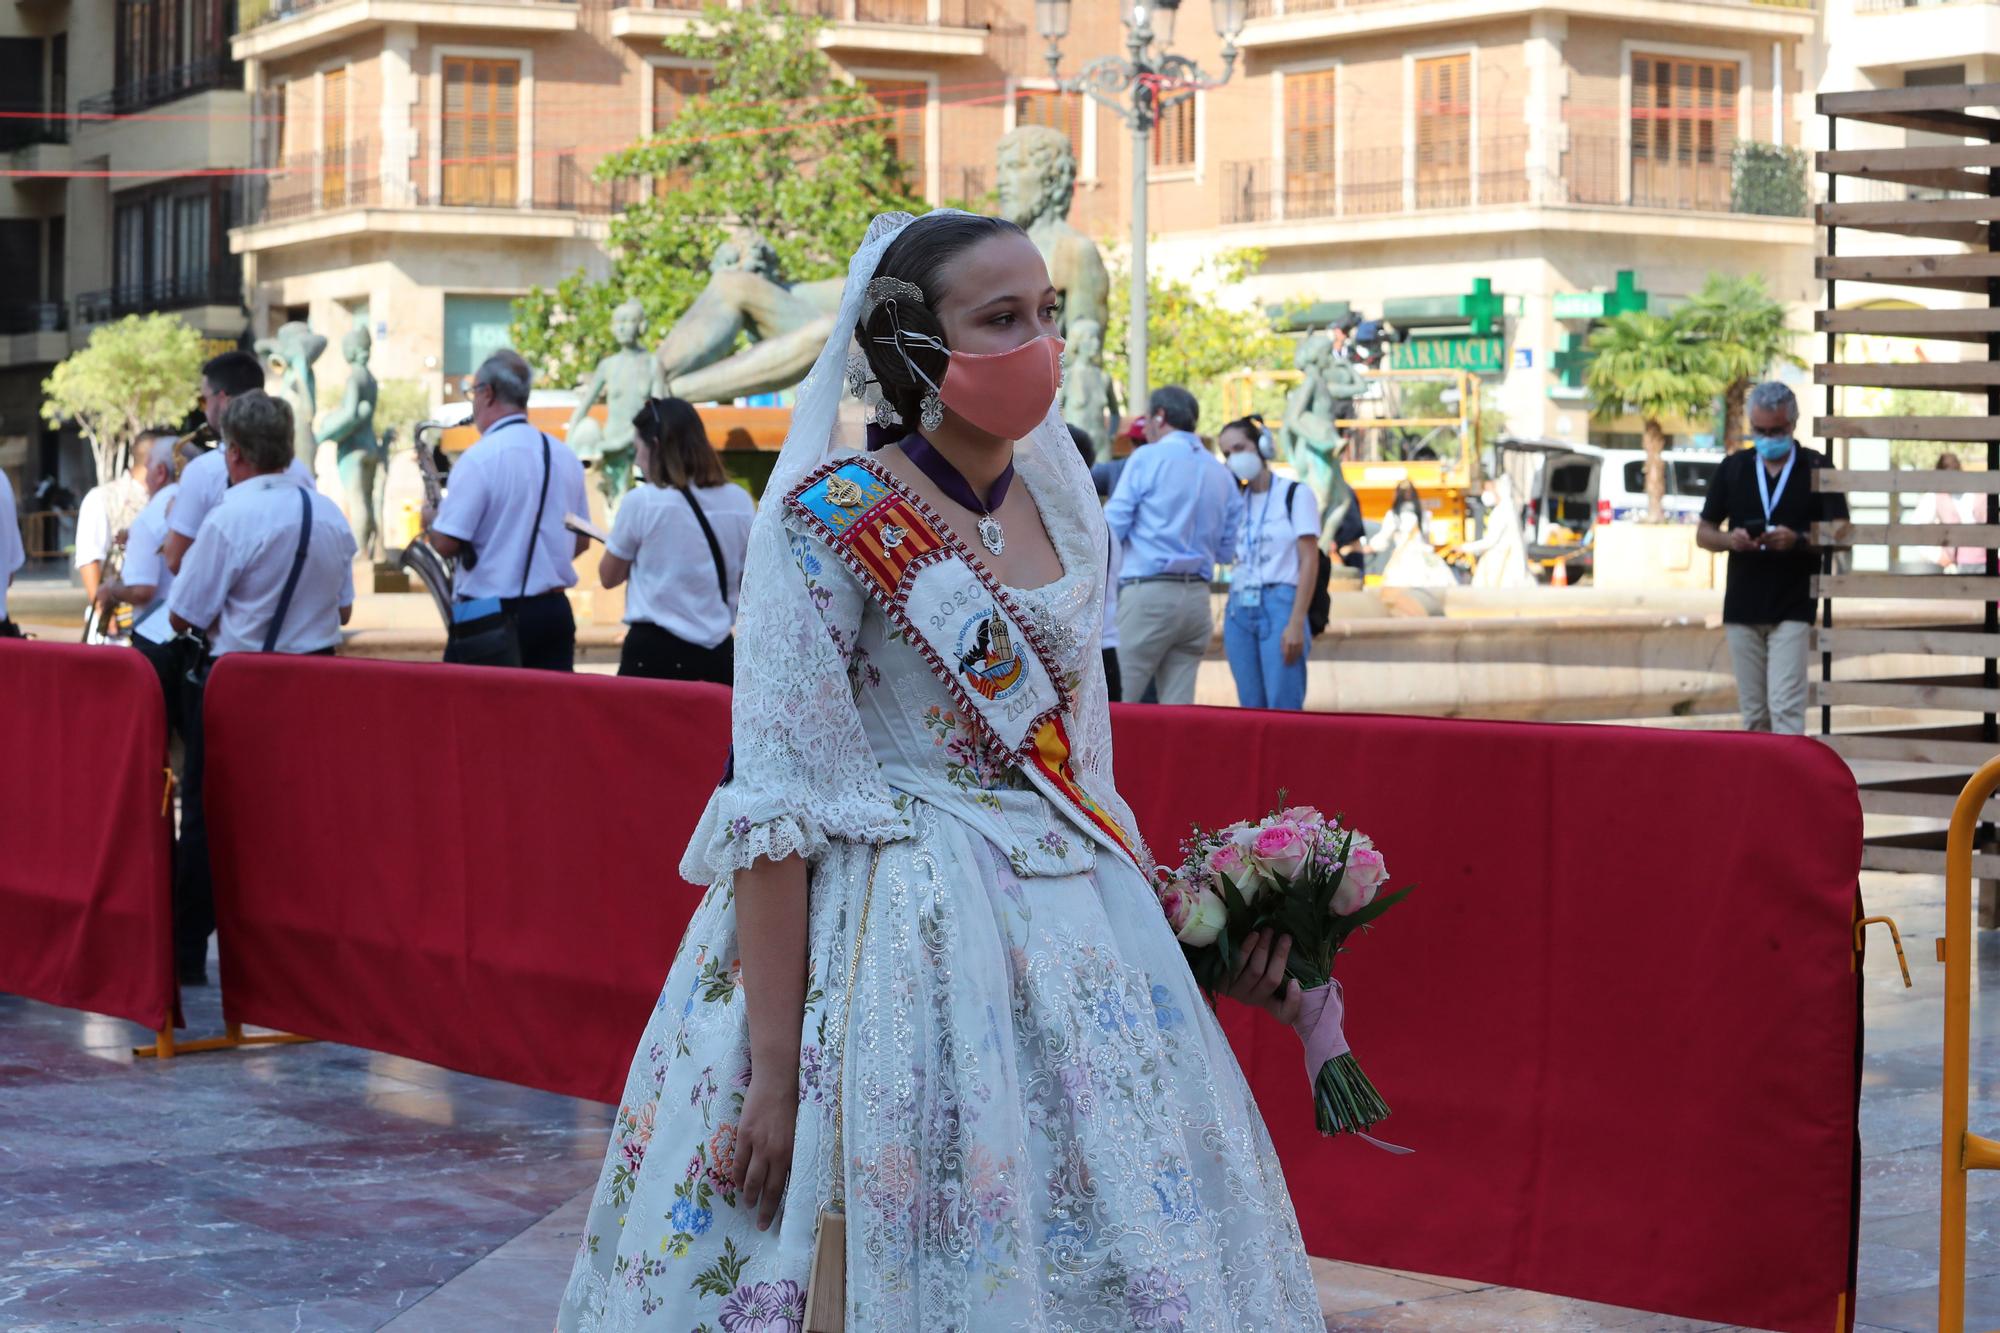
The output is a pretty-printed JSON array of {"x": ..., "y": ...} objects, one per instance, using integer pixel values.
[{"x": 882, "y": 290}]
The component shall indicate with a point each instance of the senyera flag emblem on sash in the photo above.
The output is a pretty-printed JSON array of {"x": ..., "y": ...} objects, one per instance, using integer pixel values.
[{"x": 994, "y": 662}]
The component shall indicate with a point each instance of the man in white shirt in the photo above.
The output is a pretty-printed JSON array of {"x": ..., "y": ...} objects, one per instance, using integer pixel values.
[
  {"x": 502, "y": 519},
  {"x": 223, "y": 379},
  {"x": 12, "y": 554},
  {"x": 106, "y": 512},
  {"x": 272, "y": 572},
  {"x": 144, "y": 580}
]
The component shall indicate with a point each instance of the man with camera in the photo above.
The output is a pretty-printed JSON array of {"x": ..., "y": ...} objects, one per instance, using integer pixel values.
[
  {"x": 1765, "y": 494},
  {"x": 273, "y": 572}
]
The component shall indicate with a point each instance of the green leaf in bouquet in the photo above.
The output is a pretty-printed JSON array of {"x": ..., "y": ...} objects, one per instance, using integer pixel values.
[
  {"x": 1356, "y": 920},
  {"x": 1231, "y": 899}
]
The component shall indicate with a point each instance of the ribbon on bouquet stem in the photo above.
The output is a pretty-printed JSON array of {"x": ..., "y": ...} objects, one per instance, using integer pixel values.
[{"x": 1321, "y": 1013}]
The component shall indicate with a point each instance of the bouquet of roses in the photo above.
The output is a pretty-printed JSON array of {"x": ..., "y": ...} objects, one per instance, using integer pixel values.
[{"x": 1294, "y": 873}]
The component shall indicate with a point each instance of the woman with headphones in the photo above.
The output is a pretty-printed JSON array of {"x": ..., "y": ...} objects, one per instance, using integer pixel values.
[
  {"x": 1264, "y": 631},
  {"x": 682, "y": 540}
]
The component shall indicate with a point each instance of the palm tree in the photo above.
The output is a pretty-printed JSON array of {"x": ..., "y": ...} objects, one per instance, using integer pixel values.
[
  {"x": 1746, "y": 327},
  {"x": 1658, "y": 368}
]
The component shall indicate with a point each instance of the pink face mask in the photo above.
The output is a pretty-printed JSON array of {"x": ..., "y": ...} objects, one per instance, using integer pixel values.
[{"x": 1006, "y": 394}]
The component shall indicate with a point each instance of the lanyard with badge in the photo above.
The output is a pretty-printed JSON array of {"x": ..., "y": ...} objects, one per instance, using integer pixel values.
[
  {"x": 1252, "y": 593},
  {"x": 1765, "y": 492}
]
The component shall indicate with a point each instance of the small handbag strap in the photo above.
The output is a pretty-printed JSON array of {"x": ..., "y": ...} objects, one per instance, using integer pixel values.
[
  {"x": 291, "y": 579},
  {"x": 535, "y": 532},
  {"x": 714, "y": 546}
]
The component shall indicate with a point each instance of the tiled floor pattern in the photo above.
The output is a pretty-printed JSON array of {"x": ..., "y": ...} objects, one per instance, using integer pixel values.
[{"x": 322, "y": 1187}]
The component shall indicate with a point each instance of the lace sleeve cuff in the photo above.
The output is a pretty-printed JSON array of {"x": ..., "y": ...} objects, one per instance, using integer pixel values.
[{"x": 740, "y": 827}]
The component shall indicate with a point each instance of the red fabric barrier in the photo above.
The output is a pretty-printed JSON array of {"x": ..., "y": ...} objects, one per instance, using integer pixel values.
[
  {"x": 1617, "y": 1021},
  {"x": 86, "y": 851},
  {"x": 471, "y": 867}
]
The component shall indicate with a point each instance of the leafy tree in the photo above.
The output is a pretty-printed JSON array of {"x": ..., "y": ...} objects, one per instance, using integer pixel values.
[
  {"x": 1659, "y": 368},
  {"x": 778, "y": 146},
  {"x": 1194, "y": 338},
  {"x": 1745, "y": 327},
  {"x": 133, "y": 375}
]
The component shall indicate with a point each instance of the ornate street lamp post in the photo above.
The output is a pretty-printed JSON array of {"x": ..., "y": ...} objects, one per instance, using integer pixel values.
[{"x": 1141, "y": 85}]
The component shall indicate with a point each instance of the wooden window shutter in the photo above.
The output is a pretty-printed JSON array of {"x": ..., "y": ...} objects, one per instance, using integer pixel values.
[
  {"x": 903, "y": 128},
  {"x": 1683, "y": 131},
  {"x": 481, "y": 132},
  {"x": 673, "y": 86},
  {"x": 1173, "y": 137},
  {"x": 1309, "y": 142},
  {"x": 1444, "y": 131},
  {"x": 333, "y": 139},
  {"x": 1058, "y": 111}
]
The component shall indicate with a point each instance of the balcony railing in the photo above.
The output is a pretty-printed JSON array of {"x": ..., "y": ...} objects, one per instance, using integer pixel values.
[
  {"x": 313, "y": 185},
  {"x": 200, "y": 76},
  {"x": 1753, "y": 179},
  {"x": 1263, "y": 9},
  {"x": 221, "y": 285},
  {"x": 256, "y": 13},
  {"x": 33, "y": 317},
  {"x": 908, "y": 13},
  {"x": 18, "y": 130}
]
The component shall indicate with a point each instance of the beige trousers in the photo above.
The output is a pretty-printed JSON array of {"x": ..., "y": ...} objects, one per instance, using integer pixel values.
[
  {"x": 1164, "y": 628},
  {"x": 1770, "y": 663}
]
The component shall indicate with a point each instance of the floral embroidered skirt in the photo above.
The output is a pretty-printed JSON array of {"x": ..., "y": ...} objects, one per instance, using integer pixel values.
[{"x": 1046, "y": 1128}]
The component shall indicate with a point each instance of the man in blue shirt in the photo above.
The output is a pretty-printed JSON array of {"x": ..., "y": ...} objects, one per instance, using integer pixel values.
[{"x": 1177, "y": 510}]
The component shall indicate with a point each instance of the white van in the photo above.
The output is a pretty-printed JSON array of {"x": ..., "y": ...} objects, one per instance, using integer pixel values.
[{"x": 1581, "y": 486}]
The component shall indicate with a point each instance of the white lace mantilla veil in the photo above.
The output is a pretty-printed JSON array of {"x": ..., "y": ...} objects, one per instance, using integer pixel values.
[{"x": 803, "y": 771}]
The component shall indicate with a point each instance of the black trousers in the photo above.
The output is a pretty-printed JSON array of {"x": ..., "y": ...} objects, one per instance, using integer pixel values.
[
  {"x": 548, "y": 630},
  {"x": 1114, "y": 682},
  {"x": 660, "y": 654},
  {"x": 194, "y": 875}
]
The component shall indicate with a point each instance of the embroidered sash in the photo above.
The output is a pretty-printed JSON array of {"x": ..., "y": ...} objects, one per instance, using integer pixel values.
[{"x": 994, "y": 663}]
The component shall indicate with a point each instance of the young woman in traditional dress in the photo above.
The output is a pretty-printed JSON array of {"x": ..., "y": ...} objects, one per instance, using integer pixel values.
[{"x": 928, "y": 1047}]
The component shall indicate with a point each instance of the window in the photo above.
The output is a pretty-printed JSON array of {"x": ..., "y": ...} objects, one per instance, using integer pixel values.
[
  {"x": 1443, "y": 119},
  {"x": 673, "y": 86},
  {"x": 169, "y": 48},
  {"x": 481, "y": 132},
  {"x": 168, "y": 250},
  {"x": 1683, "y": 131},
  {"x": 1173, "y": 137},
  {"x": 1309, "y": 141},
  {"x": 474, "y": 328},
  {"x": 904, "y": 128},
  {"x": 1058, "y": 111},
  {"x": 333, "y": 137}
]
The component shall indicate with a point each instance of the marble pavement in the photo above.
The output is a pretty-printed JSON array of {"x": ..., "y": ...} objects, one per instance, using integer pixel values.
[{"x": 322, "y": 1187}]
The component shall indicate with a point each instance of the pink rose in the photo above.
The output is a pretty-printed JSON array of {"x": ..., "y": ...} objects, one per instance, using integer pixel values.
[
  {"x": 1367, "y": 871},
  {"x": 1302, "y": 815},
  {"x": 1230, "y": 860},
  {"x": 1281, "y": 849},
  {"x": 1177, "y": 901}
]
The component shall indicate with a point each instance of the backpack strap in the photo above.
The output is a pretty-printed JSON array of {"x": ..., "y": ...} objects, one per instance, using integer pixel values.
[{"x": 535, "y": 532}]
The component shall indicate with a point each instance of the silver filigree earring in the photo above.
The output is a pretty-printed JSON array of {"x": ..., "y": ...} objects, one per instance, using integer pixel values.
[
  {"x": 857, "y": 374},
  {"x": 931, "y": 411}
]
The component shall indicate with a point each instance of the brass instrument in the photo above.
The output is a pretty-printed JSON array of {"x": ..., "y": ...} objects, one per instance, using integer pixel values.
[
  {"x": 420, "y": 557},
  {"x": 114, "y": 624}
]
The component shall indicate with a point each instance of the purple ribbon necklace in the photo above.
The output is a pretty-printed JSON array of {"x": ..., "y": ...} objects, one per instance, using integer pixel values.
[{"x": 959, "y": 491}]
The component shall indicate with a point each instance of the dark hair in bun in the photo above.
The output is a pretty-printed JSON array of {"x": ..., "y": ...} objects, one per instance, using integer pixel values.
[{"x": 918, "y": 256}]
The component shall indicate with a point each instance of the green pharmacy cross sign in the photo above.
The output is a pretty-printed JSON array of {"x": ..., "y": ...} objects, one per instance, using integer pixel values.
[
  {"x": 1482, "y": 308},
  {"x": 1624, "y": 296}
]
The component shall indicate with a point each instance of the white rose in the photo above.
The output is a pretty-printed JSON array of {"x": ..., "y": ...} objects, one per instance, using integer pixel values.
[{"x": 1205, "y": 921}]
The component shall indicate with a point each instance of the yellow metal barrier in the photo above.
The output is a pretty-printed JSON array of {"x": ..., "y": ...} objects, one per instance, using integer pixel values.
[{"x": 1962, "y": 1151}]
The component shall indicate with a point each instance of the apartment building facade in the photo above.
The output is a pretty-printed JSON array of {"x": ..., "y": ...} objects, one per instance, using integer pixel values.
[{"x": 121, "y": 122}]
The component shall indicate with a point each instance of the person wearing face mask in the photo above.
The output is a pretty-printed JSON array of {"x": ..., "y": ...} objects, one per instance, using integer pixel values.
[
  {"x": 1405, "y": 534},
  {"x": 1264, "y": 631},
  {"x": 924, "y": 892},
  {"x": 1766, "y": 497},
  {"x": 1502, "y": 550},
  {"x": 681, "y": 540}
]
